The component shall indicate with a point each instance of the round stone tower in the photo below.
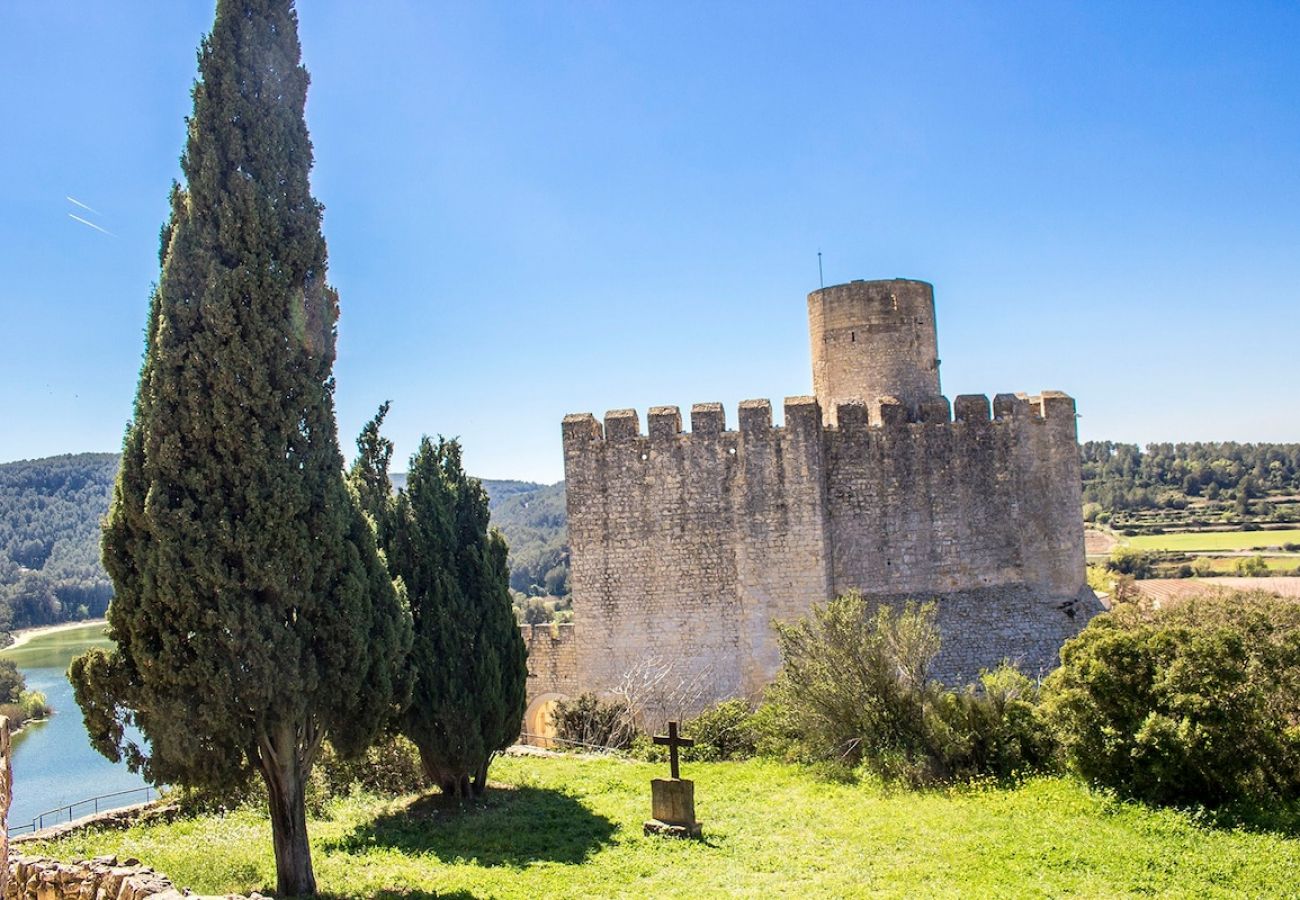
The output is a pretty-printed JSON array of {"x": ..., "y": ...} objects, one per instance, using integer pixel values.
[{"x": 873, "y": 339}]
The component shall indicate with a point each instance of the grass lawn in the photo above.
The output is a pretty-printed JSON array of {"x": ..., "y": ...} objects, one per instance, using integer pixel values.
[
  {"x": 1214, "y": 540},
  {"x": 571, "y": 827}
]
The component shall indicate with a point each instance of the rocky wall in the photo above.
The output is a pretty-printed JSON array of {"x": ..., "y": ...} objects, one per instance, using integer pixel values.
[{"x": 101, "y": 878}]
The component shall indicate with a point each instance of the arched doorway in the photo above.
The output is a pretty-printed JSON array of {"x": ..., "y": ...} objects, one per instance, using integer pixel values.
[{"x": 538, "y": 728}]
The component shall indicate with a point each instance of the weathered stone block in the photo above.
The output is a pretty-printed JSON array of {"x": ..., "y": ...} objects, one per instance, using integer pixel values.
[
  {"x": 672, "y": 805},
  {"x": 665, "y": 422},
  {"x": 755, "y": 416},
  {"x": 708, "y": 418},
  {"x": 972, "y": 408},
  {"x": 622, "y": 425},
  {"x": 579, "y": 428}
]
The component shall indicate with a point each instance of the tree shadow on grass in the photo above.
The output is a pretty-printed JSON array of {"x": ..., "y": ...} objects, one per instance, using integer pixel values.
[
  {"x": 507, "y": 826},
  {"x": 404, "y": 894}
]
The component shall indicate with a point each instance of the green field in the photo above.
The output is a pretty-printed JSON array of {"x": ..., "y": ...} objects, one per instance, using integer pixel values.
[
  {"x": 1277, "y": 565},
  {"x": 55, "y": 648},
  {"x": 1192, "y": 542},
  {"x": 571, "y": 827}
]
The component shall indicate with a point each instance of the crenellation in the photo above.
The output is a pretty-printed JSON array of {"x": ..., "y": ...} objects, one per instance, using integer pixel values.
[
  {"x": 665, "y": 422},
  {"x": 972, "y": 408},
  {"x": 708, "y": 419},
  {"x": 755, "y": 417},
  {"x": 703, "y": 539},
  {"x": 936, "y": 410},
  {"x": 1057, "y": 405},
  {"x": 622, "y": 425},
  {"x": 852, "y": 415},
  {"x": 1006, "y": 406},
  {"x": 579, "y": 428},
  {"x": 803, "y": 415},
  {"x": 891, "y": 413}
]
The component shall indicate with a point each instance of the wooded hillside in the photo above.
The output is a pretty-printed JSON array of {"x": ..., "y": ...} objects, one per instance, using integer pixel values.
[{"x": 50, "y": 512}]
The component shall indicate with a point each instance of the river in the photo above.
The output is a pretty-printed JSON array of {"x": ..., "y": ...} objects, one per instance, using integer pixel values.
[{"x": 54, "y": 764}]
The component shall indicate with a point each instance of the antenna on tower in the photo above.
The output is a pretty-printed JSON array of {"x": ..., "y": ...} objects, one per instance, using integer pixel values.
[{"x": 821, "y": 281}]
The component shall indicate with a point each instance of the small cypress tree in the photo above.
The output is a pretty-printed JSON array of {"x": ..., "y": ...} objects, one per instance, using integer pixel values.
[
  {"x": 369, "y": 475},
  {"x": 468, "y": 655},
  {"x": 253, "y": 617}
]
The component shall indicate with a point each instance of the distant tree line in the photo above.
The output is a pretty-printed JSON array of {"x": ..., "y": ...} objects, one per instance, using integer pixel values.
[
  {"x": 1120, "y": 477},
  {"x": 50, "y": 513}
]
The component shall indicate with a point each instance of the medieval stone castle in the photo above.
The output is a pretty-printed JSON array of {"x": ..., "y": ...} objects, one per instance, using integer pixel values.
[{"x": 688, "y": 545}]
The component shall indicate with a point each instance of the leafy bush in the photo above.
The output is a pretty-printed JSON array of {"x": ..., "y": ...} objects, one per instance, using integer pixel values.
[
  {"x": 724, "y": 731},
  {"x": 1196, "y": 702},
  {"x": 590, "y": 721},
  {"x": 12, "y": 682},
  {"x": 1128, "y": 561},
  {"x": 855, "y": 687},
  {"x": 27, "y": 707},
  {"x": 1253, "y": 566},
  {"x": 389, "y": 768}
]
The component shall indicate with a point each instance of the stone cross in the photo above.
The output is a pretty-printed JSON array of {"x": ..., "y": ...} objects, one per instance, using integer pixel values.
[
  {"x": 672, "y": 800},
  {"x": 673, "y": 741}
]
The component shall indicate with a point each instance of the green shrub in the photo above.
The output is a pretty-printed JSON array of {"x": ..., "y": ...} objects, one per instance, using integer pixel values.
[
  {"x": 33, "y": 705},
  {"x": 390, "y": 768},
  {"x": 1127, "y": 561},
  {"x": 725, "y": 731},
  {"x": 1253, "y": 566},
  {"x": 1196, "y": 702},
  {"x": 854, "y": 687},
  {"x": 590, "y": 721},
  {"x": 12, "y": 682}
]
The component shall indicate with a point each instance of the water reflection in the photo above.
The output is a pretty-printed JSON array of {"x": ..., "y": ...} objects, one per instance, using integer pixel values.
[{"x": 54, "y": 764}]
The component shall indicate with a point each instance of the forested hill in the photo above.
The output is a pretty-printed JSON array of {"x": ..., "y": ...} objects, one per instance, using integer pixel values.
[
  {"x": 50, "y": 510},
  {"x": 532, "y": 518},
  {"x": 49, "y": 538}
]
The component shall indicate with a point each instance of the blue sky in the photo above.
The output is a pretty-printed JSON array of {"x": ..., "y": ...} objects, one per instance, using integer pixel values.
[{"x": 535, "y": 209}]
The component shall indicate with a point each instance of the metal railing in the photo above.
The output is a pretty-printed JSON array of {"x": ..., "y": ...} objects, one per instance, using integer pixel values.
[
  {"x": 89, "y": 806},
  {"x": 547, "y": 742}
]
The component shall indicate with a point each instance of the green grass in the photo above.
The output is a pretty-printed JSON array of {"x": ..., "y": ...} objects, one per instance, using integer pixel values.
[
  {"x": 56, "y": 648},
  {"x": 1214, "y": 540},
  {"x": 572, "y": 828}
]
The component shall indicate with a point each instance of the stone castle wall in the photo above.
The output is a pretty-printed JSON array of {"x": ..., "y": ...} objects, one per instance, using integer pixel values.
[
  {"x": 552, "y": 659},
  {"x": 686, "y": 546}
]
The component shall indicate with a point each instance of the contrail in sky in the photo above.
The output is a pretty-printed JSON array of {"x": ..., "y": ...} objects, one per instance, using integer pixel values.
[
  {"x": 82, "y": 205},
  {"x": 91, "y": 224}
]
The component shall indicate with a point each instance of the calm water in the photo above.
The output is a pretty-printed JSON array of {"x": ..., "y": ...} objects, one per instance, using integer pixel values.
[{"x": 54, "y": 764}]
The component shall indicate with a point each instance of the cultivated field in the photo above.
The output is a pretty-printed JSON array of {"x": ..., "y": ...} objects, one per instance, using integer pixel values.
[{"x": 1211, "y": 541}]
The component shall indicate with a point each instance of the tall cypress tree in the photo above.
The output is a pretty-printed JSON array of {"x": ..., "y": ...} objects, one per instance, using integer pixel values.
[
  {"x": 253, "y": 617},
  {"x": 468, "y": 656}
]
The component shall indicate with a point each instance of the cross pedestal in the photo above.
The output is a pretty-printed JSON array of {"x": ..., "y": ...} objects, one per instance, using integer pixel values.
[{"x": 672, "y": 800}]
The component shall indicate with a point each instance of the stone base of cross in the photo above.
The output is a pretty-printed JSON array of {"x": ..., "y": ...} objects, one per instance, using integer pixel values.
[{"x": 672, "y": 800}]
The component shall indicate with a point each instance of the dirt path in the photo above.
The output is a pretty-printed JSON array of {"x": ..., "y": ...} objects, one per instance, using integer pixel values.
[{"x": 23, "y": 635}]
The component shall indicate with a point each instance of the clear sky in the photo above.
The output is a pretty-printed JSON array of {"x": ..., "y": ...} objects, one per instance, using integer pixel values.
[{"x": 535, "y": 209}]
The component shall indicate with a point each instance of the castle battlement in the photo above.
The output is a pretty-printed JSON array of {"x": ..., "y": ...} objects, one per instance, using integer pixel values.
[
  {"x": 708, "y": 420},
  {"x": 687, "y": 544}
]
